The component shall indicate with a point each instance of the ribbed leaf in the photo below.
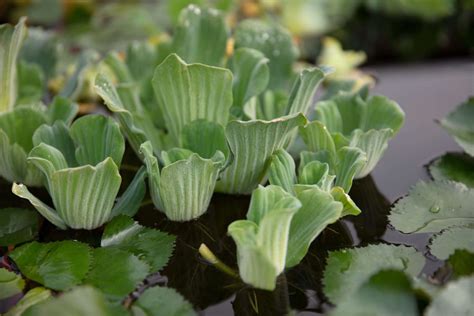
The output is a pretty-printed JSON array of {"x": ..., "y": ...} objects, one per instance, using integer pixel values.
[
  {"x": 48, "y": 160},
  {"x": 282, "y": 170},
  {"x": 41, "y": 48},
  {"x": 11, "y": 284},
  {"x": 162, "y": 301},
  {"x": 350, "y": 161},
  {"x": 17, "y": 225},
  {"x": 205, "y": 138},
  {"x": 11, "y": 40},
  {"x": 317, "y": 137},
  {"x": 150, "y": 245},
  {"x": 274, "y": 42},
  {"x": 318, "y": 210},
  {"x": 73, "y": 85},
  {"x": 458, "y": 124},
  {"x": 32, "y": 297},
  {"x": 252, "y": 144},
  {"x": 129, "y": 202},
  {"x": 97, "y": 137},
  {"x": 373, "y": 143},
  {"x": 262, "y": 240},
  {"x": 57, "y": 265},
  {"x": 190, "y": 92},
  {"x": 30, "y": 84},
  {"x": 62, "y": 109},
  {"x": 57, "y": 136},
  {"x": 316, "y": 173},
  {"x": 267, "y": 106},
  {"x": 251, "y": 75},
  {"x": 84, "y": 196},
  {"x": 153, "y": 171},
  {"x": 116, "y": 272},
  {"x": 201, "y": 36},
  {"x": 304, "y": 88},
  {"x": 349, "y": 206},
  {"x": 46, "y": 211}
]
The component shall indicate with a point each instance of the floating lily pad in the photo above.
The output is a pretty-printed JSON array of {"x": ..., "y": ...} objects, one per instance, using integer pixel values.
[
  {"x": 445, "y": 243},
  {"x": 454, "y": 299},
  {"x": 455, "y": 167},
  {"x": 347, "y": 269},
  {"x": 57, "y": 265},
  {"x": 151, "y": 245},
  {"x": 17, "y": 225},
  {"x": 461, "y": 262},
  {"x": 433, "y": 206},
  {"x": 459, "y": 124},
  {"x": 162, "y": 301}
]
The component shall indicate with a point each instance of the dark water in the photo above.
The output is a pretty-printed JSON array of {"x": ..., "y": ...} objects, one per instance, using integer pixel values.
[{"x": 426, "y": 93}]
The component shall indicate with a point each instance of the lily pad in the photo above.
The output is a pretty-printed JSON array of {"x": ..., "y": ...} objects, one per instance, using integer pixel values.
[
  {"x": 17, "y": 225},
  {"x": 433, "y": 206},
  {"x": 387, "y": 292},
  {"x": 57, "y": 265},
  {"x": 461, "y": 262},
  {"x": 455, "y": 167},
  {"x": 116, "y": 272},
  {"x": 444, "y": 244},
  {"x": 459, "y": 125},
  {"x": 347, "y": 269},
  {"x": 162, "y": 301},
  {"x": 454, "y": 299},
  {"x": 151, "y": 245}
]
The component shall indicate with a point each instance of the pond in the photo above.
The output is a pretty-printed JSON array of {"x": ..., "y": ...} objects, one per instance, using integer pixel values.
[{"x": 425, "y": 91}]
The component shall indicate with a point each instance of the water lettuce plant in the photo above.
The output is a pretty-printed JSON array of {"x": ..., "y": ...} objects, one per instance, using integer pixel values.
[
  {"x": 459, "y": 125},
  {"x": 80, "y": 166},
  {"x": 367, "y": 124}
]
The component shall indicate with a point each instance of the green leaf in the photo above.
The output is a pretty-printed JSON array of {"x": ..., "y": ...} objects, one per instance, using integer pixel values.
[
  {"x": 183, "y": 189},
  {"x": 201, "y": 36},
  {"x": 262, "y": 239},
  {"x": 80, "y": 301},
  {"x": 349, "y": 206},
  {"x": 317, "y": 137},
  {"x": 267, "y": 106},
  {"x": 41, "y": 48},
  {"x": 10, "y": 284},
  {"x": 350, "y": 161},
  {"x": 459, "y": 125},
  {"x": 318, "y": 210},
  {"x": 129, "y": 202},
  {"x": 454, "y": 167},
  {"x": 204, "y": 138},
  {"x": 444, "y": 244},
  {"x": 346, "y": 270},
  {"x": 251, "y": 75},
  {"x": 432, "y": 207},
  {"x": 57, "y": 136},
  {"x": 30, "y": 83},
  {"x": 16, "y": 132},
  {"x": 97, "y": 137},
  {"x": 11, "y": 40},
  {"x": 316, "y": 173},
  {"x": 274, "y": 42},
  {"x": 62, "y": 109},
  {"x": 282, "y": 170},
  {"x": 304, "y": 88},
  {"x": 32, "y": 297},
  {"x": 454, "y": 299},
  {"x": 150, "y": 245},
  {"x": 17, "y": 225},
  {"x": 73, "y": 86},
  {"x": 187, "y": 92},
  {"x": 461, "y": 262},
  {"x": 253, "y": 143},
  {"x": 116, "y": 272},
  {"x": 373, "y": 144},
  {"x": 57, "y": 265},
  {"x": 388, "y": 292},
  {"x": 162, "y": 301}
]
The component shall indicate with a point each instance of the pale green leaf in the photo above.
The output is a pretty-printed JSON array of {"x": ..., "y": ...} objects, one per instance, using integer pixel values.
[
  {"x": 316, "y": 173},
  {"x": 317, "y": 137},
  {"x": 318, "y": 210},
  {"x": 11, "y": 40},
  {"x": 251, "y": 75},
  {"x": 274, "y": 42},
  {"x": 253, "y": 143},
  {"x": 97, "y": 137},
  {"x": 204, "y": 138},
  {"x": 162, "y": 301},
  {"x": 10, "y": 284},
  {"x": 32, "y": 297},
  {"x": 268, "y": 105},
  {"x": 73, "y": 86},
  {"x": 444, "y": 244},
  {"x": 458, "y": 124},
  {"x": 58, "y": 265},
  {"x": 454, "y": 299},
  {"x": 17, "y": 225},
  {"x": 304, "y": 88},
  {"x": 388, "y": 292},
  {"x": 153, "y": 173},
  {"x": 201, "y": 36},
  {"x": 346, "y": 270},
  {"x": 62, "y": 109},
  {"x": 41, "y": 48},
  {"x": 129, "y": 202},
  {"x": 432, "y": 207},
  {"x": 187, "y": 92},
  {"x": 455, "y": 167},
  {"x": 150, "y": 245},
  {"x": 349, "y": 206},
  {"x": 47, "y": 159},
  {"x": 80, "y": 301},
  {"x": 30, "y": 83},
  {"x": 116, "y": 272},
  {"x": 350, "y": 161},
  {"x": 373, "y": 143},
  {"x": 57, "y": 136},
  {"x": 282, "y": 170}
]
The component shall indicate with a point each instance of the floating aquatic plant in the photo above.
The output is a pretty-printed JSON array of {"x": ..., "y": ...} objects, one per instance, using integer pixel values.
[{"x": 80, "y": 166}]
